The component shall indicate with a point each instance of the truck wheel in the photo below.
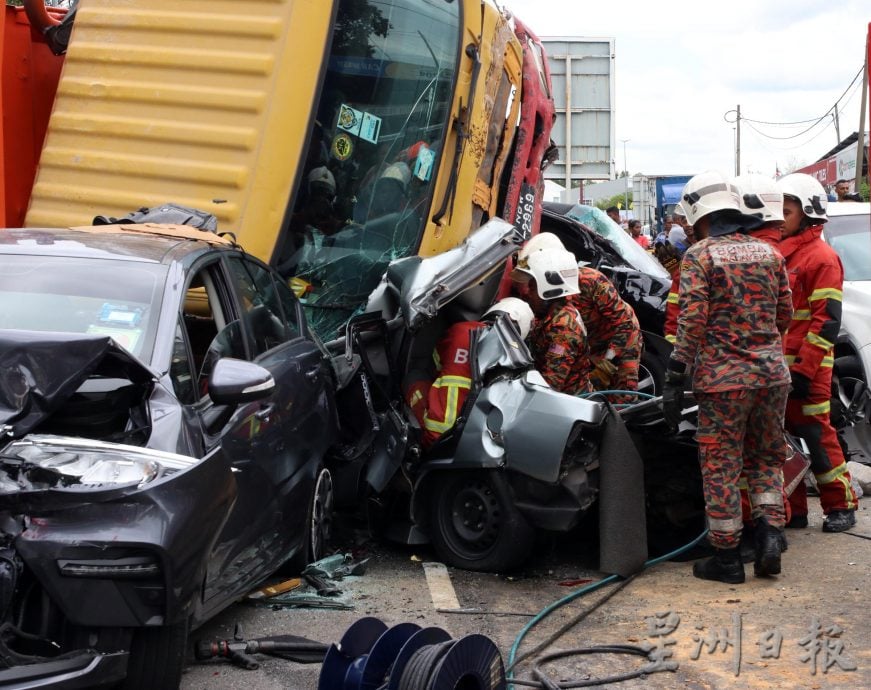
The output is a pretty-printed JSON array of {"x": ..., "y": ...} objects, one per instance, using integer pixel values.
[
  {"x": 156, "y": 657},
  {"x": 319, "y": 526},
  {"x": 475, "y": 525}
]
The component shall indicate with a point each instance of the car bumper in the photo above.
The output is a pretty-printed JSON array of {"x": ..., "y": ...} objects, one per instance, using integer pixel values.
[{"x": 85, "y": 670}]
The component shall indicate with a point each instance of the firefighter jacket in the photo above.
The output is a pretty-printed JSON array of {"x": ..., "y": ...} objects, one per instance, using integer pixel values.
[
  {"x": 559, "y": 347},
  {"x": 816, "y": 277},
  {"x": 449, "y": 391},
  {"x": 610, "y": 322},
  {"x": 734, "y": 304}
]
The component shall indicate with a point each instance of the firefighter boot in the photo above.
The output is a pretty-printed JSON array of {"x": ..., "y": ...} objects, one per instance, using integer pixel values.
[
  {"x": 839, "y": 520},
  {"x": 769, "y": 546},
  {"x": 748, "y": 543},
  {"x": 724, "y": 566}
]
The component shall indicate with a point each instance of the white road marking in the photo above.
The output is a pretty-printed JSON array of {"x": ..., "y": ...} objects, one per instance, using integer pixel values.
[{"x": 440, "y": 588}]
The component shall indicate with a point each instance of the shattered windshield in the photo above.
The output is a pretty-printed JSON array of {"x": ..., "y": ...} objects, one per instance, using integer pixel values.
[
  {"x": 120, "y": 299},
  {"x": 370, "y": 166}
]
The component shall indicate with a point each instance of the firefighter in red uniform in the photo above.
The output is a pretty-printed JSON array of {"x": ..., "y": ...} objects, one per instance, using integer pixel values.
[
  {"x": 734, "y": 305},
  {"x": 438, "y": 405},
  {"x": 670, "y": 327},
  {"x": 613, "y": 332},
  {"x": 559, "y": 342},
  {"x": 817, "y": 277}
]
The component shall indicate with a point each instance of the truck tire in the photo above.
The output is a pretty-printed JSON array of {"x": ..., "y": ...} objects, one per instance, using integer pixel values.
[
  {"x": 156, "y": 657},
  {"x": 475, "y": 524}
]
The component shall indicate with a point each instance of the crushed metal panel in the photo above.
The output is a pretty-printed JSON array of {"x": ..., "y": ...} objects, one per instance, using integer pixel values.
[{"x": 182, "y": 101}]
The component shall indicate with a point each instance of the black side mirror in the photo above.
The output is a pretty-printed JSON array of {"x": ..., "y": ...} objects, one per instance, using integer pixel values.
[{"x": 235, "y": 381}]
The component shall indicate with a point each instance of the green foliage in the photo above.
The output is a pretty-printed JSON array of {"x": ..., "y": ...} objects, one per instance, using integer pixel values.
[
  {"x": 356, "y": 24},
  {"x": 618, "y": 200},
  {"x": 864, "y": 190}
]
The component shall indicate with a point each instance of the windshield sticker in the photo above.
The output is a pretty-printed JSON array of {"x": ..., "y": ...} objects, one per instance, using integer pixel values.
[
  {"x": 350, "y": 119},
  {"x": 371, "y": 128},
  {"x": 125, "y": 337},
  {"x": 342, "y": 147},
  {"x": 423, "y": 164},
  {"x": 118, "y": 315}
]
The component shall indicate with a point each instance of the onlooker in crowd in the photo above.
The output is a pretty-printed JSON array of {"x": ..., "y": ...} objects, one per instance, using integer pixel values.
[
  {"x": 613, "y": 332},
  {"x": 559, "y": 340},
  {"x": 817, "y": 278},
  {"x": 613, "y": 213},
  {"x": 734, "y": 306},
  {"x": 842, "y": 189},
  {"x": 635, "y": 231},
  {"x": 667, "y": 250}
]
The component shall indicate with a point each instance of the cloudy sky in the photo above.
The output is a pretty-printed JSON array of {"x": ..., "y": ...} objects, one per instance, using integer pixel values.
[{"x": 681, "y": 65}]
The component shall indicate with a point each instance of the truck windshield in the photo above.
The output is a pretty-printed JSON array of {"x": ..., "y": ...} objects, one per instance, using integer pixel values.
[{"x": 370, "y": 165}]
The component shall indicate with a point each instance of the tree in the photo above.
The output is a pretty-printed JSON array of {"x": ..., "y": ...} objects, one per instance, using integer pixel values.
[{"x": 618, "y": 200}]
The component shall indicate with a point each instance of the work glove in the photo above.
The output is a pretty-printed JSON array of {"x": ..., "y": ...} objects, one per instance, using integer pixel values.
[
  {"x": 602, "y": 374},
  {"x": 801, "y": 386},
  {"x": 672, "y": 398}
]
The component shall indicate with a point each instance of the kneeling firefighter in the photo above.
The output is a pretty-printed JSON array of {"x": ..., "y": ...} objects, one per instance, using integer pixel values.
[{"x": 734, "y": 305}]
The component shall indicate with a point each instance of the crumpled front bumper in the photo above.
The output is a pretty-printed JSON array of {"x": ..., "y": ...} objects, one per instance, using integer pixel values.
[{"x": 86, "y": 670}]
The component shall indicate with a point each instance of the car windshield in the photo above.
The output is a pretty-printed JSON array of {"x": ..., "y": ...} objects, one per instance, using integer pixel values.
[
  {"x": 850, "y": 236},
  {"x": 120, "y": 299},
  {"x": 628, "y": 248}
]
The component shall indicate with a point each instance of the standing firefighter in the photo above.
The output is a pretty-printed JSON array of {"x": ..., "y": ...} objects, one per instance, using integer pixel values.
[
  {"x": 613, "y": 333},
  {"x": 559, "y": 340},
  {"x": 817, "y": 278},
  {"x": 734, "y": 305}
]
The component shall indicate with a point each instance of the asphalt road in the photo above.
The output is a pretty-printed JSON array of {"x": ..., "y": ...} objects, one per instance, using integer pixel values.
[{"x": 826, "y": 580}]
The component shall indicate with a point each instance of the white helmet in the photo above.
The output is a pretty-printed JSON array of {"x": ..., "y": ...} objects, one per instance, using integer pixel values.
[
  {"x": 518, "y": 310},
  {"x": 678, "y": 210},
  {"x": 555, "y": 272},
  {"x": 543, "y": 240},
  {"x": 808, "y": 192},
  {"x": 706, "y": 193},
  {"x": 760, "y": 196},
  {"x": 398, "y": 172}
]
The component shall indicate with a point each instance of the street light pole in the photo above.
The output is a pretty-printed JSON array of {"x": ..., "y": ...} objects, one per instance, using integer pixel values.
[{"x": 625, "y": 170}]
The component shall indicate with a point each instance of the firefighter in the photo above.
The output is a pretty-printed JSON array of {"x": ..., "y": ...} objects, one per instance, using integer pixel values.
[
  {"x": 817, "y": 276},
  {"x": 559, "y": 341},
  {"x": 734, "y": 305},
  {"x": 613, "y": 332},
  {"x": 670, "y": 327},
  {"x": 438, "y": 405}
]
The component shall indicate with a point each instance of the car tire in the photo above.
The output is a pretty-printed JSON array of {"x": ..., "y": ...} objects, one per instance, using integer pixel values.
[
  {"x": 157, "y": 656},
  {"x": 319, "y": 525},
  {"x": 651, "y": 373},
  {"x": 475, "y": 524},
  {"x": 849, "y": 366}
]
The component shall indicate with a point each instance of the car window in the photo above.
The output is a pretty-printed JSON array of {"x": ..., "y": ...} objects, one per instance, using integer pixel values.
[
  {"x": 261, "y": 307},
  {"x": 850, "y": 237}
]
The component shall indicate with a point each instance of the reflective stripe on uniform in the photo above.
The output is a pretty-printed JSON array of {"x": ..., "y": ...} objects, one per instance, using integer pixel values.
[
  {"x": 768, "y": 498},
  {"x": 453, "y": 381},
  {"x": 671, "y": 338},
  {"x": 825, "y": 293},
  {"x": 819, "y": 408},
  {"x": 831, "y": 475},
  {"x": 801, "y": 315},
  {"x": 453, "y": 384},
  {"x": 828, "y": 361},
  {"x": 819, "y": 341},
  {"x": 416, "y": 397},
  {"x": 672, "y": 298},
  {"x": 742, "y": 483},
  {"x": 790, "y": 359},
  {"x": 729, "y": 526}
]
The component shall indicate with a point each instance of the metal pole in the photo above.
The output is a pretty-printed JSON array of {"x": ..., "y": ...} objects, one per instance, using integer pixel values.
[
  {"x": 626, "y": 181},
  {"x": 860, "y": 144},
  {"x": 837, "y": 124},
  {"x": 738, "y": 142}
]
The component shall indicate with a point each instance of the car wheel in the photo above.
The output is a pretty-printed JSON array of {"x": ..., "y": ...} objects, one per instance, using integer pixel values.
[
  {"x": 156, "y": 657},
  {"x": 319, "y": 525},
  {"x": 475, "y": 524},
  {"x": 651, "y": 374},
  {"x": 849, "y": 366}
]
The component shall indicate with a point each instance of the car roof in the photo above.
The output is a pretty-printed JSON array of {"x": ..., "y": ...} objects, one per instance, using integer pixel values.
[
  {"x": 147, "y": 242},
  {"x": 848, "y": 208}
]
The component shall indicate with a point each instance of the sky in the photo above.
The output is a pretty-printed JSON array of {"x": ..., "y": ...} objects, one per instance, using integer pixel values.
[{"x": 680, "y": 66}]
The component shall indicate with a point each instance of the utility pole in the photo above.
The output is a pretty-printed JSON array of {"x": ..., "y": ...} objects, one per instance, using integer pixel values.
[
  {"x": 860, "y": 144},
  {"x": 738, "y": 142},
  {"x": 625, "y": 170},
  {"x": 837, "y": 124}
]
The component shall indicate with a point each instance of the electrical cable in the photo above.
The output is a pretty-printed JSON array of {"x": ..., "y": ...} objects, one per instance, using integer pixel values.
[
  {"x": 559, "y": 603},
  {"x": 860, "y": 536}
]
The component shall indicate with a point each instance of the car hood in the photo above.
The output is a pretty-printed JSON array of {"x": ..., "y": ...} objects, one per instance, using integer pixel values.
[
  {"x": 39, "y": 371},
  {"x": 426, "y": 285}
]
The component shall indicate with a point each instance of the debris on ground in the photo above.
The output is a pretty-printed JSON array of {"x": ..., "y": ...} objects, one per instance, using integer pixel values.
[
  {"x": 238, "y": 651},
  {"x": 277, "y": 588}
]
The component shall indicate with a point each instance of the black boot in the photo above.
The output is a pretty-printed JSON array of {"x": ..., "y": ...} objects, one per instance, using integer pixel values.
[
  {"x": 769, "y": 545},
  {"x": 724, "y": 566},
  {"x": 748, "y": 544},
  {"x": 839, "y": 520}
]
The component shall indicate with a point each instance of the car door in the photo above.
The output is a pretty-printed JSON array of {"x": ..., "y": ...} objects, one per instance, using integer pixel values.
[{"x": 292, "y": 432}]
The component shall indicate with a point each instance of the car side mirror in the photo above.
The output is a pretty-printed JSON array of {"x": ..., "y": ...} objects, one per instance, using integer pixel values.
[{"x": 235, "y": 381}]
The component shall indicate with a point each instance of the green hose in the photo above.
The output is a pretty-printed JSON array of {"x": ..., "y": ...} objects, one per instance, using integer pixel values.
[{"x": 571, "y": 596}]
